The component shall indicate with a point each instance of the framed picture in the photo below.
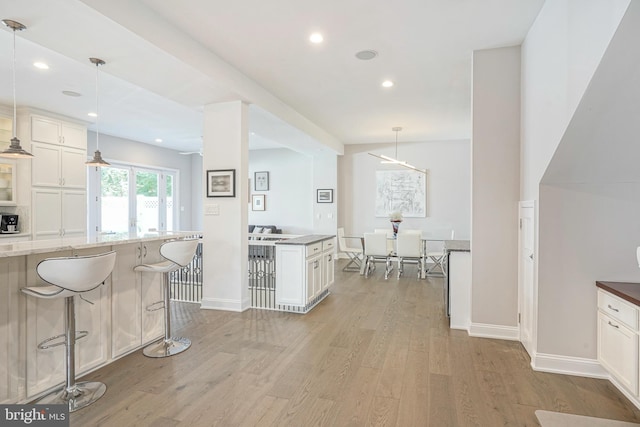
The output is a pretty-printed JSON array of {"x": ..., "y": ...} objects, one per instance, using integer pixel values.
[
  {"x": 261, "y": 181},
  {"x": 324, "y": 196},
  {"x": 257, "y": 202},
  {"x": 221, "y": 183}
]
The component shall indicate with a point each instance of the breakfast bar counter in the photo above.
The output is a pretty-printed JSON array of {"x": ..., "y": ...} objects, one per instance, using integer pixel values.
[{"x": 116, "y": 315}]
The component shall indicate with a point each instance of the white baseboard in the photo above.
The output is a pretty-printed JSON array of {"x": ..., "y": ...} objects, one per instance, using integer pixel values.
[
  {"x": 568, "y": 365},
  {"x": 224, "y": 304},
  {"x": 499, "y": 332}
]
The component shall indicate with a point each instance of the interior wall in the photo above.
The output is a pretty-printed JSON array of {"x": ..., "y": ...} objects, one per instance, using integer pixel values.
[
  {"x": 136, "y": 153},
  {"x": 325, "y": 176},
  {"x": 448, "y": 186},
  {"x": 587, "y": 237},
  {"x": 559, "y": 56},
  {"x": 495, "y": 152},
  {"x": 288, "y": 202}
]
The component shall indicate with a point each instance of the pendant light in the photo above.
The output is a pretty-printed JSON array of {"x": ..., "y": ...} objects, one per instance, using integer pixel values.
[
  {"x": 97, "y": 160},
  {"x": 395, "y": 161},
  {"x": 15, "y": 150}
]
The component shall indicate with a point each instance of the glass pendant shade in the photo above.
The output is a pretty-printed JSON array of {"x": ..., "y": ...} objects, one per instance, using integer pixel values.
[
  {"x": 15, "y": 150},
  {"x": 97, "y": 160}
]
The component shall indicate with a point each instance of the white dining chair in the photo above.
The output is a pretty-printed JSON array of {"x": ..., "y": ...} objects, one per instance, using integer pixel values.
[
  {"x": 409, "y": 249},
  {"x": 375, "y": 250},
  {"x": 389, "y": 233},
  {"x": 438, "y": 258},
  {"x": 354, "y": 253}
]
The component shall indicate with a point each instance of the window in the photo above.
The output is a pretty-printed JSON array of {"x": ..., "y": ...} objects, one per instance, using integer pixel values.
[{"x": 132, "y": 199}]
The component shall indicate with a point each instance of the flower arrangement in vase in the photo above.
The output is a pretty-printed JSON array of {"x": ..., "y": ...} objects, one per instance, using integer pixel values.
[{"x": 396, "y": 219}]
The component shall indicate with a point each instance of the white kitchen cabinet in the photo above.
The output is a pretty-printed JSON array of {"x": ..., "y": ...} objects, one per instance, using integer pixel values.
[
  {"x": 12, "y": 278},
  {"x": 304, "y": 272},
  {"x": 58, "y": 213},
  {"x": 58, "y": 166},
  {"x": 53, "y": 131},
  {"x": 46, "y": 367},
  {"x": 618, "y": 339},
  {"x": 137, "y": 316},
  {"x": 314, "y": 277},
  {"x": 7, "y": 183}
]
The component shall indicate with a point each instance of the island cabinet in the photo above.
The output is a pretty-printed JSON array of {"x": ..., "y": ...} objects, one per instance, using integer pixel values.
[
  {"x": 304, "y": 271},
  {"x": 120, "y": 317},
  {"x": 136, "y": 298},
  {"x": 618, "y": 332}
]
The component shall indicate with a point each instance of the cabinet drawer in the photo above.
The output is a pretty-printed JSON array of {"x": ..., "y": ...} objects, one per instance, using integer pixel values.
[
  {"x": 314, "y": 249},
  {"x": 327, "y": 245},
  {"x": 618, "y": 309},
  {"x": 618, "y": 351}
]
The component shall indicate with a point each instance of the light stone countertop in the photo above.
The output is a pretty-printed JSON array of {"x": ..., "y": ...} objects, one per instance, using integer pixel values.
[
  {"x": 84, "y": 242},
  {"x": 308, "y": 239},
  {"x": 457, "y": 246}
]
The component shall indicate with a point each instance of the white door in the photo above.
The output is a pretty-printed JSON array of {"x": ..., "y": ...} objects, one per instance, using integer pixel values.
[{"x": 526, "y": 275}]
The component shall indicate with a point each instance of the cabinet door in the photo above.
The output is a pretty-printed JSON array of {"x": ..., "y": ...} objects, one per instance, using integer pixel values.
[
  {"x": 618, "y": 351},
  {"x": 12, "y": 277},
  {"x": 45, "y": 368},
  {"x": 45, "y": 130},
  {"x": 126, "y": 312},
  {"x": 45, "y": 166},
  {"x": 74, "y": 213},
  {"x": 73, "y": 135},
  {"x": 93, "y": 317},
  {"x": 314, "y": 277},
  {"x": 7, "y": 183},
  {"x": 152, "y": 295},
  {"x": 73, "y": 168},
  {"x": 329, "y": 273},
  {"x": 47, "y": 213},
  {"x": 290, "y": 275}
]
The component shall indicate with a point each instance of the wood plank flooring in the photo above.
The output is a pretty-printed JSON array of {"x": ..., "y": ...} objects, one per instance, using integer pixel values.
[{"x": 374, "y": 353}]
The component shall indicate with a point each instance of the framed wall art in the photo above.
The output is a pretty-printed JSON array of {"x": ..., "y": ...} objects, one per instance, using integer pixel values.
[
  {"x": 261, "y": 180},
  {"x": 221, "y": 183},
  {"x": 257, "y": 202},
  {"x": 324, "y": 196}
]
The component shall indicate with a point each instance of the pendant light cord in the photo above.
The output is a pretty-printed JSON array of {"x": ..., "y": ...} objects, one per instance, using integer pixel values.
[
  {"x": 15, "y": 130},
  {"x": 97, "y": 115}
]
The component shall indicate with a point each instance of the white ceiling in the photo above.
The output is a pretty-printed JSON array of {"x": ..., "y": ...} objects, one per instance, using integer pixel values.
[{"x": 164, "y": 62}]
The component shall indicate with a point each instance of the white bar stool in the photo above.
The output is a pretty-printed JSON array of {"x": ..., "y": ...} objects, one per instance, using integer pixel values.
[
  {"x": 178, "y": 254},
  {"x": 67, "y": 277}
]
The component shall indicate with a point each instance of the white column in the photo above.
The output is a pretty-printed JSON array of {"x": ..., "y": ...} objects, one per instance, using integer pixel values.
[{"x": 225, "y": 281}]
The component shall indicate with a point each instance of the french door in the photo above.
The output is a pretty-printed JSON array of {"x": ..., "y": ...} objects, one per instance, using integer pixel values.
[{"x": 133, "y": 200}]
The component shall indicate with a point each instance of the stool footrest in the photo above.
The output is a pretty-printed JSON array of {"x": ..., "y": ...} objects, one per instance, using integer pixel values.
[
  {"x": 158, "y": 305},
  {"x": 43, "y": 345}
]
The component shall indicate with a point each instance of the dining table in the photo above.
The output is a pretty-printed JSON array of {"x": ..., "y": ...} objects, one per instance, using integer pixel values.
[{"x": 426, "y": 237}]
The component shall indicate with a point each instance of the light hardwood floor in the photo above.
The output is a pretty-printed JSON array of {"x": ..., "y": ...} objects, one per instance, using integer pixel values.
[{"x": 373, "y": 353}]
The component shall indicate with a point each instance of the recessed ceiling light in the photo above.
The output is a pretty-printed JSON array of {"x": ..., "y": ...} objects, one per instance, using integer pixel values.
[
  {"x": 92, "y": 114},
  {"x": 366, "y": 55},
  {"x": 41, "y": 65},
  {"x": 387, "y": 83},
  {"x": 158, "y": 140},
  {"x": 71, "y": 93},
  {"x": 316, "y": 38}
]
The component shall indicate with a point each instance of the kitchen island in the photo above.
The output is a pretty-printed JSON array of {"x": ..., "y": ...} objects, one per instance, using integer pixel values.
[
  {"x": 304, "y": 271},
  {"x": 116, "y": 315}
]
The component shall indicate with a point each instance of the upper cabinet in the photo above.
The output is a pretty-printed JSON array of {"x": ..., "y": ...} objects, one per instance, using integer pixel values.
[
  {"x": 44, "y": 129},
  {"x": 7, "y": 182},
  {"x": 60, "y": 153}
]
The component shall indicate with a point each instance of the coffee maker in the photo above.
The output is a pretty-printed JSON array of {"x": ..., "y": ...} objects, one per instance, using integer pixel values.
[{"x": 8, "y": 223}]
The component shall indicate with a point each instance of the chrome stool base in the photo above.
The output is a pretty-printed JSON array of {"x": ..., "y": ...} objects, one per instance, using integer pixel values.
[
  {"x": 77, "y": 397},
  {"x": 166, "y": 348}
]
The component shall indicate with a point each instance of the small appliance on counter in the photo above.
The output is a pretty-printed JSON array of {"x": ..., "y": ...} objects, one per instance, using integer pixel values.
[{"x": 8, "y": 223}]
